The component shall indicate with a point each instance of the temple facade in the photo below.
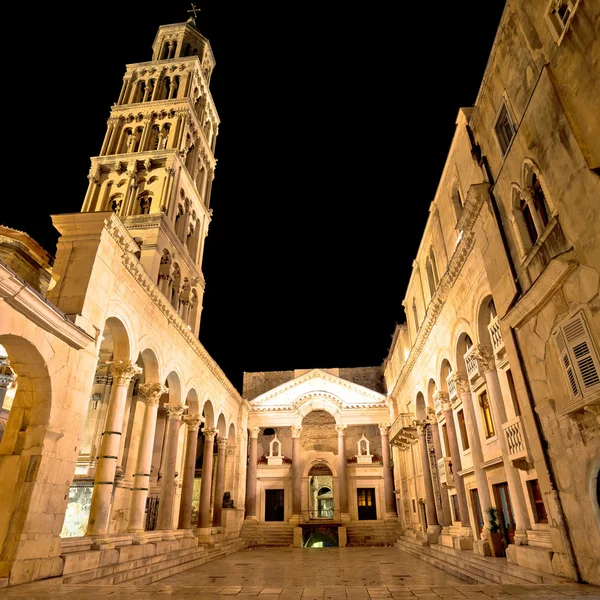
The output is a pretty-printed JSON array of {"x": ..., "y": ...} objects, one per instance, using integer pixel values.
[{"x": 126, "y": 452}]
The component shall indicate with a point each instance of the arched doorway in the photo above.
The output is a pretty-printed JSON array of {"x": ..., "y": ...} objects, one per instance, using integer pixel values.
[{"x": 320, "y": 501}]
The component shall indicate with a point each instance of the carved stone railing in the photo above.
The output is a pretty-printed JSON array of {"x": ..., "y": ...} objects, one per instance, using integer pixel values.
[
  {"x": 451, "y": 388},
  {"x": 516, "y": 440},
  {"x": 496, "y": 336},
  {"x": 445, "y": 471},
  {"x": 471, "y": 364}
]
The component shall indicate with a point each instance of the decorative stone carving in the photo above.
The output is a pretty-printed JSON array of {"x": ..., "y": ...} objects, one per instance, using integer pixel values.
[
  {"x": 151, "y": 392},
  {"x": 193, "y": 422},
  {"x": 175, "y": 411},
  {"x": 364, "y": 455},
  {"x": 460, "y": 382},
  {"x": 275, "y": 459},
  {"x": 384, "y": 429},
  {"x": 296, "y": 431},
  {"x": 483, "y": 357},
  {"x": 222, "y": 444},
  {"x": 123, "y": 371},
  {"x": 341, "y": 429},
  {"x": 210, "y": 433},
  {"x": 254, "y": 431}
]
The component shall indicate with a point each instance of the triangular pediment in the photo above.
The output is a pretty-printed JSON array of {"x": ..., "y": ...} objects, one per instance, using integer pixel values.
[{"x": 315, "y": 385}]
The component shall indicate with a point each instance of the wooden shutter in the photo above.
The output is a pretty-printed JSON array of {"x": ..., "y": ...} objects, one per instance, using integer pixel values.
[{"x": 578, "y": 356}]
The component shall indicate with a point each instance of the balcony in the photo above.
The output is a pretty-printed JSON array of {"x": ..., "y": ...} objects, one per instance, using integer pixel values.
[
  {"x": 496, "y": 337},
  {"x": 471, "y": 364},
  {"x": 452, "y": 393},
  {"x": 403, "y": 429},
  {"x": 516, "y": 440},
  {"x": 445, "y": 471}
]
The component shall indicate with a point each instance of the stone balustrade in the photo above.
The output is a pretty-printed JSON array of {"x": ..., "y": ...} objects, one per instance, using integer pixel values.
[
  {"x": 451, "y": 391},
  {"x": 403, "y": 426},
  {"x": 516, "y": 440},
  {"x": 496, "y": 336}
]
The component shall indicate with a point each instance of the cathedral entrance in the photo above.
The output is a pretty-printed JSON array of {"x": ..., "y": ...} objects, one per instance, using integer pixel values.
[
  {"x": 321, "y": 492},
  {"x": 367, "y": 510},
  {"x": 274, "y": 505}
]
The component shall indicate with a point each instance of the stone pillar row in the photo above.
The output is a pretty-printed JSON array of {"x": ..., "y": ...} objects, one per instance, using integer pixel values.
[{"x": 123, "y": 373}]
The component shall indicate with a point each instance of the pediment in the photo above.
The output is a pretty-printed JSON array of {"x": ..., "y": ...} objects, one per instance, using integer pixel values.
[{"x": 317, "y": 387}]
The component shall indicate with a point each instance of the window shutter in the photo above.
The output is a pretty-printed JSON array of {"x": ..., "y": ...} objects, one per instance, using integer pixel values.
[
  {"x": 559, "y": 340},
  {"x": 583, "y": 352}
]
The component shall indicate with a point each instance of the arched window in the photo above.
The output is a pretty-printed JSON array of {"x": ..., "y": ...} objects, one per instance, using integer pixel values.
[
  {"x": 456, "y": 199},
  {"x": 539, "y": 199},
  {"x": 525, "y": 210},
  {"x": 415, "y": 316},
  {"x": 167, "y": 84},
  {"x": 165, "y": 51}
]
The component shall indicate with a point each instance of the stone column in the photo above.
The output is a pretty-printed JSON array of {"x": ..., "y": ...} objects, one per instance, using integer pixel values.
[
  {"x": 151, "y": 393},
  {"x": 464, "y": 391},
  {"x": 167, "y": 490},
  {"x": 433, "y": 527},
  {"x": 123, "y": 372},
  {"x": 251, "y": 475},
  {"x": 220, "y": 482},
  {"x": 189, "y": 469},
  {"x": 388, "y": 479},
  {"x": 205, "y": 485},
  {"x": 296, "y": 474},
  {"x": 444, "y": 516},
  {"x": 456, "y": 462},
  {"x": 487, "y": 365},
  {"x": 342, "y": 468}
]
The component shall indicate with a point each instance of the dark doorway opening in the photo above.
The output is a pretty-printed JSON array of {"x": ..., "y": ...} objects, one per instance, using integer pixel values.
[
  {"x": 367, "y": 510},
  {"x": 273, "y": 505},
  {"x": 505, "y": 511}
]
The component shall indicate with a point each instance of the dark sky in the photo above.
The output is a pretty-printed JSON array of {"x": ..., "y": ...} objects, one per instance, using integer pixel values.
[{"x": 336, "y": 119}]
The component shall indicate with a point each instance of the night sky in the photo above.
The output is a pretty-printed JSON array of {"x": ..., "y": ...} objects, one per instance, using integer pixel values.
[{"x": 336, "y": 119}]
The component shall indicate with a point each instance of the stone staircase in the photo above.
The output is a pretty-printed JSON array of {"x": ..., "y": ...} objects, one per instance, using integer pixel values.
[
  {"x": 473, "y": 568},
  {"x": 267, "y": 534},
  {"x": 140, "y": 565},
  {"x": 372, "y": 533}
]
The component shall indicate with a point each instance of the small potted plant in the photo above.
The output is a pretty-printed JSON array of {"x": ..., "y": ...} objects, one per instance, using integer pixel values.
[{"x": 495, "y": 537}]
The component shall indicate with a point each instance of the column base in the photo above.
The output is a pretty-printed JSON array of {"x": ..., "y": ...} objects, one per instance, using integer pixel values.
[
  {"x": 521, "y": 537},
  {"x": 295, "y": 519},
  {"x": 482, "y": 547},
  {"x": 252, "y": 518},
  {"x": 433, "y": 534}
]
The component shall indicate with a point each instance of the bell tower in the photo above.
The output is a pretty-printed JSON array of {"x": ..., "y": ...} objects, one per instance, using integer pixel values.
[{"x": 156, "y": 165}]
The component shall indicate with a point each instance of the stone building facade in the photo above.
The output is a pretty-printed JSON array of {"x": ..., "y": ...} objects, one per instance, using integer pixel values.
[
  {"x": 123, "y": 440},
  {"x": 495, "y": 377}
]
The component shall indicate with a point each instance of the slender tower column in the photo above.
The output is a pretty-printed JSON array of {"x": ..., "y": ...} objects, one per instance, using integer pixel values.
[
  {"x": 388, "y": 478},
  {"x": 456, "y": 462},
  {"x": 167, "y": 490},
  {"x": 151, "y": 393},
  {"x": 205, "y": 485},
  {"x": 296, "y": 474},
  {"x": 444, "y": 516},
  {"x": 487, "y": 365},
  {"x": 251, "y": 475},
  {"x": 483, "y": 490},
  {"x": 433, "y": 527},
  {"x": 342, "y": 468},
  {"x": 187, "y": 491},
  {"x": 220, "y": 482},
  {"x": 123, "y": 372}
]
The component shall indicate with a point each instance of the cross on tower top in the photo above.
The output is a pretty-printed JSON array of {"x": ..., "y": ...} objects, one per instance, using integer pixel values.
[{"x": 194, "y": 10}]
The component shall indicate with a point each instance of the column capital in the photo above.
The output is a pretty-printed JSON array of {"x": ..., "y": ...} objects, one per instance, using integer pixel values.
[
  {"x": 384, "y": 429},
  {"x": 341, "y": 429},
  {"x": 193, "y": 422},
  {"x": 123, "y": 371},
  {"x": 254, "y": 431},
  {"x": 484, "y": 358},
  {"x": 296, "y": 431},
  {"x": 6, "y": 380},
  {"x": 431, "y": 414},
  {"x": 460, "y": 381},
  {"x": 151, "y": 392},
  {"x": 175, "y": 411},
  {"x": 222, "y": 443},
  {"x": 209, "y": 433},
  {"x": 421, "y": 427}
]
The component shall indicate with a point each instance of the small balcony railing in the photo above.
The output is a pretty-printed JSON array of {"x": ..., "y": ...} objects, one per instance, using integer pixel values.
[
  {"x": 451, "y": 389},
  {"x": 471, "y": 364},
  {"x": 445, "y": 471},
  {"x": 516, "y": 440},
  {"x": 496, "y": 336},
  {"x": 321, "y": 514}
]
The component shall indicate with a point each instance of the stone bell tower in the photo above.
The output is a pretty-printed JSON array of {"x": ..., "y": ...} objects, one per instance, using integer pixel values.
[{"x": 156, "y": 164}]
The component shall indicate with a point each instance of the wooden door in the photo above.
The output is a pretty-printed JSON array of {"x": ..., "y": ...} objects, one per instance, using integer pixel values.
[
  {"x": 505, "y": 511},
  {"x": 274, "y": 507},
  {"x": 367, "y": 510}
]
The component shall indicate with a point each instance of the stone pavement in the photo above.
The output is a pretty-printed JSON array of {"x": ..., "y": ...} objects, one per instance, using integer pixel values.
[{"x": 309, "y": 574}]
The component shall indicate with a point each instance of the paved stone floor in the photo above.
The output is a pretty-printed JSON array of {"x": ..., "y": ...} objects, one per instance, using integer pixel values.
[{"x": 309, "y": 574}]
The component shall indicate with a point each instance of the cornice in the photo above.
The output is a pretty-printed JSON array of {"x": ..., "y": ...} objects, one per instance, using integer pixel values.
[
  {"x": 317, "y": 373},
  {"x": 23, "y": 298},
  {"x": 457, "y": 262},
  {"x": 121, "y": 236},
  {"x": 305, "y": 398},
  {"x": 476, "y": 196}
]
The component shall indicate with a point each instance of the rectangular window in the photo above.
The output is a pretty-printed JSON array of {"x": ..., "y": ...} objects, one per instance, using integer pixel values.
[
  {"x": 488, "y": 422},
  {"x": 476, "y": 504},
  {"x": 504, "y": 128},
  {"x": 537, "y": 503},
  {"x": 414, "y": 506},
  {"x": 460, "y": 415},
  {"x": 578, "y": 356},
  {"x": 455, "y": 507},
  {"x": 513, "y": 392},
  {"x": 446, "y": 440}
]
